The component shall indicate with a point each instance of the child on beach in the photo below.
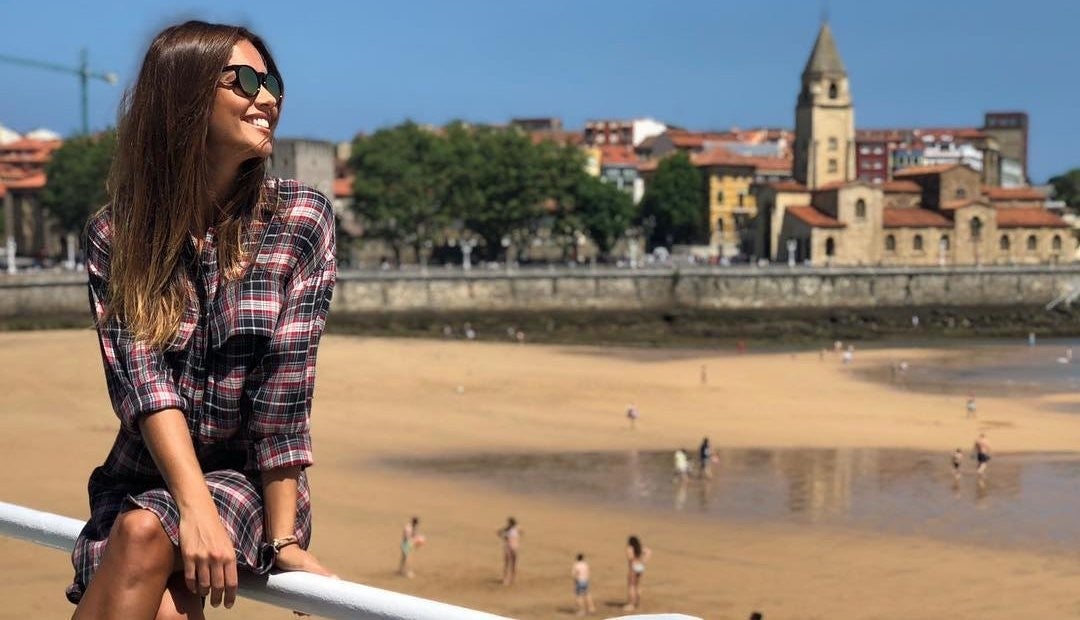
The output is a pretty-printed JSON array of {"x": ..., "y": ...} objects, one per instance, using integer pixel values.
[
  {"x": 580, "y": 573},
  {"x": 682, "y": 466},
  {"x": 411, "y": 539},
  {"x": 632, "y": 414},
  {"x": 982, "y": 453},
  {"x": 957, "y": 459},
  {"x": 970, "y": 406}
]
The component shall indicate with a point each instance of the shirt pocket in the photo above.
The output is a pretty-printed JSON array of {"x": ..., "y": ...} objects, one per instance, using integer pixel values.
[{"x": 248, "y": 307}]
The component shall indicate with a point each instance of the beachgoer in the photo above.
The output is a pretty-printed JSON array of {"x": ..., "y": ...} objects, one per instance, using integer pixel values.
[
  {"x": 209, "y": 287},
  {"x": 705, "y": 458},
  {"x": 848, "y": 355},
  {"x": 957, "y": 459},
  {"x": 682, "y": 466},
  {"x": 636, "y": 556},
  {"x": 411, "y": 540},
  {"x": 511, "y": 537},
  {"x": 982, "y": 453},
  {"x": 970, "y": 406},
  {"x": 580, "y": 574},
  {"x": 632, "y": 414},
  {"x": 704, "y": 375}
]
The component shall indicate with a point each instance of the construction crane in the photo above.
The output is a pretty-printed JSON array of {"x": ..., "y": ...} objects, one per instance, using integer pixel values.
[{"x": 83, "y": 71}]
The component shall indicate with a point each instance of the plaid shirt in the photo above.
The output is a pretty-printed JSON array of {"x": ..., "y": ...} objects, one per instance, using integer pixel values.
[{"x": 241, "y": 367}]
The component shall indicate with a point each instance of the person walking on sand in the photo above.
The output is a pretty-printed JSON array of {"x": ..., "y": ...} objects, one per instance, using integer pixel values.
[
  {"x": 580, "y": 573},
  {"x": 209, "y": 285},
  {"x": 636, "y": 556},
  {"x": 705, "y": 458},
  {"x": 970, "y": 406},
  {"x": 511, "y": 537},
  {"x": 957, "y": 459},
  {"x": 632, "y": 414},
  {"x": 682, "y": 466},
  {"x": 411, "y": 540},
  {"x": 982, "y": 453}
]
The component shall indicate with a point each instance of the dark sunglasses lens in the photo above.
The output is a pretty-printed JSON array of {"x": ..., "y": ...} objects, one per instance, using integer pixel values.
[
  {"x": 249, "y": 81},
  {"x": 273, "y": 85}
]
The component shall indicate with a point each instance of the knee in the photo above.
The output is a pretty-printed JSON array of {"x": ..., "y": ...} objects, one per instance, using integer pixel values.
[{"x": 139, "y": 534}]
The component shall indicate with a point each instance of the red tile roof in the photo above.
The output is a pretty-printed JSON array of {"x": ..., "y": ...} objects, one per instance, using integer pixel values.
[
  {"x": 618, "y": 155},
  {"x": 916, "y": 171},
  {"x": 1013, "y": 193},
  {"x": 788, "y": 186},
  {"x": 32, "y": 181},
  {"x": 343, "y": 188},
  {"x": 898, "y": 187},
  {"x": 1028, "y": 217},
  {"x": 723, "y": 157},
  {"x": 913, "y": 218},
  {"x": 952, "y": 205},
  {"x": 814, "y": 218}
]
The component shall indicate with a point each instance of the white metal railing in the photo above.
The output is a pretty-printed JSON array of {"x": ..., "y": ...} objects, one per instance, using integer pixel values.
[{"x": 314, "y": 594}]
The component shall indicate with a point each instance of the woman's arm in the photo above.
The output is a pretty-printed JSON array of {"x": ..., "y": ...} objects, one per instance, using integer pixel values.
[
  {"x": 206, "y": 549},
  {"x": 280, "y": 491}
]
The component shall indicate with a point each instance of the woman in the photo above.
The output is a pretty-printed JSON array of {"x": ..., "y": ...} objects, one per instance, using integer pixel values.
[
  {"x": 411, "y": 539},
  {"x": 636, "y": 556},
  {"x": 209, "y": 286},
  {"x": 511, "y": 536}
]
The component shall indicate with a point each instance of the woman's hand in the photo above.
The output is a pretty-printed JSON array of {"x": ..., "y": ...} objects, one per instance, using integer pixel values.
[
  {"x": 294, "y": 557},
  {"x": 209, "y": 557}
]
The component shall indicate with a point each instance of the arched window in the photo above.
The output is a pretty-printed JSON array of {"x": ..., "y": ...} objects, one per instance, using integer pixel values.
[
  {"x": 830, "y": 247},
  {"x": 961, "y": 193},
  {"x": 833, "y": 90},
  {"x": 720, "y": 225},
  {"x": 916, "y": 243},
  {"x": 860, "y": 209},
  {"x": 943, "y": 243},
  {"x": 976, "y": 228},
  {"x": 1055, "y": 244},
  {"x": 1004, "y": 244},
  {"x": 890, "y": 243},
  {"x": 1032, "y": 243}
]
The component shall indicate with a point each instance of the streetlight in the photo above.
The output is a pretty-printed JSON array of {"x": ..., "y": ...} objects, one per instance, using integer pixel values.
[{"x": 82, "y": 71}]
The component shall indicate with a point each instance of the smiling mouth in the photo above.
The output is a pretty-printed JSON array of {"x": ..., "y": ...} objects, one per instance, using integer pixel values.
[{"x": 259, "y": 122}]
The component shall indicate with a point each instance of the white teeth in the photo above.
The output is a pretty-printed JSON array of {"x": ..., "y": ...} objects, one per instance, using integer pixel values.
[{"x": 259, "y": 122}]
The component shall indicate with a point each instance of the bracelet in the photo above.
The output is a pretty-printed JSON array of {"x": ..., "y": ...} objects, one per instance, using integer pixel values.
[{"x": 279, "y": 543}]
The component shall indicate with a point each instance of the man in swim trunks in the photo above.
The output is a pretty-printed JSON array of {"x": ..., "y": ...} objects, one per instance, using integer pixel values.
[{"x": 580, "y": 573}]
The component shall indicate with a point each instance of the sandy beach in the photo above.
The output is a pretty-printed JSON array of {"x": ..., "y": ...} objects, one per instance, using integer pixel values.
[{"x": 380, "y": 399}]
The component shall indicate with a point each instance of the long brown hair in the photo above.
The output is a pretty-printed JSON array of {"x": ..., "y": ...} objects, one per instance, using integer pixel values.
[{"x": 159, "y": 186}]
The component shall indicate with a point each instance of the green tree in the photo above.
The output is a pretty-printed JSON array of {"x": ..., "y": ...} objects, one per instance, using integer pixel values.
[
  {"x": 76, "y": 179},
  {"x": 1067, "y": 187},
  {"x": 604, "y": 212},
  {"x": 673, "y": 209},
  {"x": 400, "y": 187}
]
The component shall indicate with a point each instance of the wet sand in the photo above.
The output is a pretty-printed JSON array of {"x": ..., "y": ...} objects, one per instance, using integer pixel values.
[{"x": 391, "y": 399}]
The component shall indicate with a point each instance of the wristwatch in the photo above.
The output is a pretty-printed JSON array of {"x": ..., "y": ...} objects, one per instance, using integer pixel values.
[{"x": 279, "y": 543}]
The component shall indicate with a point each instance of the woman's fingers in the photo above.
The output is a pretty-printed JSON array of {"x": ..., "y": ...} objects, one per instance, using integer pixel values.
[
  {"x": 217, "y": 583},
  {"x": 231, "y": 584}
]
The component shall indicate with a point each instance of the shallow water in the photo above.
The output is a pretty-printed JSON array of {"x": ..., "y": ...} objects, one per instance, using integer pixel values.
[{"x": 1025, "y": 501}]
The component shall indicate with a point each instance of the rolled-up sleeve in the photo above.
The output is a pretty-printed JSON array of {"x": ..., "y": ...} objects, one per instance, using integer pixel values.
[
  {"x": 139, "y": 380},
  {"x": 281, "y": 388}
]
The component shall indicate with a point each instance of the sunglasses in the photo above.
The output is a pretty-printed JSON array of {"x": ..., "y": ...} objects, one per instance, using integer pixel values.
[{"x": 250, "y": 81}]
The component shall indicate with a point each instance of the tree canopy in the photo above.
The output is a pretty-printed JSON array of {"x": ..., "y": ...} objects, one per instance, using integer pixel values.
[
  {"x": 672, "y": 207},
  {"x": 77, "y": 174},
  {"x": 1067, "y": 187}
]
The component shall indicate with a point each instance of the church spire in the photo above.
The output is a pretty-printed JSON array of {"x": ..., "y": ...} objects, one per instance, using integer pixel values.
[{"x": 825, "y": 59}]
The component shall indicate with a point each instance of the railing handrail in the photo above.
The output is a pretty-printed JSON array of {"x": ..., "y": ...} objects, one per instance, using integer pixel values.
[{"x": 314, "y": 594}]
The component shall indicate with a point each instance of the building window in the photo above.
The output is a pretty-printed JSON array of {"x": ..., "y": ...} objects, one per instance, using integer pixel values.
[
  {"x": 1004, "y": 244},
  {"x": 720, "y": 197},
  {"x": 1056, "y": 243},
  {"x": 865, "y": 165},
  {"x": 864, "y": 150},
  {"x": 916, "y": 243},
  {"x": 830, "y": 247},
  {"x": 833, "y": 144},
  {"x": 860, "y": 209},
  {"x": 833, "y": 90},
  {"x": 832, "y": 165},
  {"x": 943, "y": 243},
  {"x": 1032, "y": 243},
  {"x": 961, "y": 193},
  {"x": 976, "y": 229},
  {"x": 877, "y": 165},
  {"x": 742, "y": 198},
  {"x": 890, "y": 243},
  {"x": 878, "y": 151}
]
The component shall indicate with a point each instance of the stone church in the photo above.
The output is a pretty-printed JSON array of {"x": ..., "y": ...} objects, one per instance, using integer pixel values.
[{"x": 930, "y": 215}]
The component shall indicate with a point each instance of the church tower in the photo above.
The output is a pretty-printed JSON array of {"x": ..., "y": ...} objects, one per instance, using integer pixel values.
[{"x": 824, "y": 118}]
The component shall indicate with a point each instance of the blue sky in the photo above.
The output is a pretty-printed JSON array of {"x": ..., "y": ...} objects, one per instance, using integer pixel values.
[{"x": 359, "y": 65}]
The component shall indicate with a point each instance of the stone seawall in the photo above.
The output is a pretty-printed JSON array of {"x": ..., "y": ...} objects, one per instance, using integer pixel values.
[{"x": 774, "y": 288}]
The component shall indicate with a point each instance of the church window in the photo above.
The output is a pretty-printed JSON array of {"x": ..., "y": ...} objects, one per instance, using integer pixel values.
[
  {"x": 1032, "y": 243},
  {"x": 832, "y": 165},
  {"x": 860, "y": 209},
  {"x": 943, "y": 243},
  {"x": 976, "y": 229},
  {"x": 830, "y": 247},
  {"x": 1055, "y": 244},
  {"x": 890, "y": 243},
  {"x": 833, "y": 90},
  {"x": 916, "y": 243},
  {"x": 720, "y": 197},
  {"x": 1004, "y": 244}
]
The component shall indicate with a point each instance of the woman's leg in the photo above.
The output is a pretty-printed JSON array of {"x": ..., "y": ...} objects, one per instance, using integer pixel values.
[
  {"x": 132, "y": 577},
  {"x": 179, "y": 603}
]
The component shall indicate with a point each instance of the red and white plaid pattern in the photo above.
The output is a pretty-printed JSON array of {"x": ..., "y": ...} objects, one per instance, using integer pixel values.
[{"x": 241, "y": 368}]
